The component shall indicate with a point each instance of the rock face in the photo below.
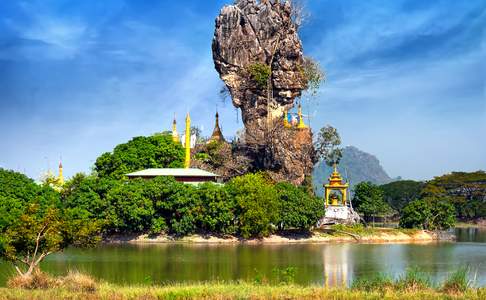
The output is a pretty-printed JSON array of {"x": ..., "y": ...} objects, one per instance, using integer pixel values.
[{"x": 261, "y": 33}]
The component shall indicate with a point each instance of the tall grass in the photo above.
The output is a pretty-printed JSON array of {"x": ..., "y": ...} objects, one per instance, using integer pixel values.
[
  {"x": 458, "y": 282},
  {"x": 378, "y": 282},
  {"x": 413, "y": 280}
]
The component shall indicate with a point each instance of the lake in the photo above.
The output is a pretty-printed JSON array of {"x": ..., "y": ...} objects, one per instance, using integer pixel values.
[{"x": 322, "y": 264}]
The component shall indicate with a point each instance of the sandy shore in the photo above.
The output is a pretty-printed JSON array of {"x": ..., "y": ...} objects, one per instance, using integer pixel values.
[{"x": 381, "y": 236}]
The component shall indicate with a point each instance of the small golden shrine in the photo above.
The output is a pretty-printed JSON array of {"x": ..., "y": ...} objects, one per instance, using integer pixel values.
[
  {"x": 336, "y": 183},
  {"x": 296, "y": 121}
]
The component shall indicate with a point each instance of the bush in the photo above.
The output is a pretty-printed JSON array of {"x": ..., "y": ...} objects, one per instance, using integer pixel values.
[
  {"x": 256, "y": 204},
  {"x": 218, "y": 209},
  {"x": 37, "y": 280},
  {"x": 297, "y": 209},
  {"x": 130, "y": 210},
  {"x": 78, "y": 282},
  {"x": 260, "y": 73},
  {"x": 431, "y": 213}
]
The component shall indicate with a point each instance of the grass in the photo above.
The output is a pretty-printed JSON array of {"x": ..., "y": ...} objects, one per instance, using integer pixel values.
[
  {"x": 414, "y": 284},
  {"x": 232, "y": 291}
]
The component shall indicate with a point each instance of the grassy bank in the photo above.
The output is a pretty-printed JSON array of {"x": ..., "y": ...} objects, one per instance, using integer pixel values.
[
  {"x": 235, "y": 291},
  {"x": 413, "y": 284}
]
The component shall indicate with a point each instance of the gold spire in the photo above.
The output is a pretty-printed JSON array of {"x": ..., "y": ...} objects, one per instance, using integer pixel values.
[
  {"x": 286, "y": 120},
  {"x": 301, "y": 119},
  {"x": 60, "y": 178},
  {"x": 217, "y": 135},
  {"x": 175, "y": 134},
  {"x": 187, "y": 161}
]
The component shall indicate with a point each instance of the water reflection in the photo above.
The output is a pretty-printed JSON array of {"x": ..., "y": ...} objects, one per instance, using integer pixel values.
[
  {"x": 336, "y": 266},
  {"x": 321, "y": 264}
]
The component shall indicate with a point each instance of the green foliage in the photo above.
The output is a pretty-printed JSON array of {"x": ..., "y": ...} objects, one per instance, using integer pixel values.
[
  {"x": 218, "y": 209},
  {"x": 260, "y": 74},
  {"x": 297, "y": 209},
  {"x": 368, "y": 200},
  {"x": 256, "y": 204},
  {"x": 129, "y": 208},
  {"x": 415, "y": 215},
  {"x": 399, "y": 193},
  {"x": 34, "y": 223},
  {"x": 431, "y": 213},
  {"x": 158, "y": 151}
]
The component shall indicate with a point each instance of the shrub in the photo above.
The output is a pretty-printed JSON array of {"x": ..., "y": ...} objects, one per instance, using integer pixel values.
[
  {"x": 37, "y": 280},
  {"x": 78, "y": 282},
  {"x": 297, "y": 209},
  {"x": 256, "y": 206},
  {"x": 217, "y": 215},
  {"x": 129, "y": 208},
  {"x": 432, "y": 213},
  {"x": 260, "y": 73}
]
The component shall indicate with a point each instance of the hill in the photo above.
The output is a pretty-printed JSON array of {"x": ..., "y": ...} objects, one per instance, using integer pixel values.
[{"x": 356, "y": 166}]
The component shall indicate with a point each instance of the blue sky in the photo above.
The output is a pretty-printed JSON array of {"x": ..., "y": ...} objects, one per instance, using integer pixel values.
[{"x": 406, "y": 80}]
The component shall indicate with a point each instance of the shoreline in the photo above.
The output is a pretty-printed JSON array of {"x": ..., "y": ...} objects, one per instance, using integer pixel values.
[{"x": 380, "y": 236}]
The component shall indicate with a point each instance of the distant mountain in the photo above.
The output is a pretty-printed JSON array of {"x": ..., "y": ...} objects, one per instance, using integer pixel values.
[{"x": 356, "y": 166}]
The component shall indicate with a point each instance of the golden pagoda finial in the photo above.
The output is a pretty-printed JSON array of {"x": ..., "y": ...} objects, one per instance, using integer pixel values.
[
  {"x": 217, "y": 135},
  {"x": 175, "y": 134},
  {"x": 187, "y": 161},
  {"x": 301, "y": 119},
  {"x": 60, "y": 178}
]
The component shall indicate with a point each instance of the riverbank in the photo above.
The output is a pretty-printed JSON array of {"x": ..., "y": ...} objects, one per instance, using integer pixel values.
[
  {"x": 335, "y": 234},
  {"x": 235, "y": 291}
]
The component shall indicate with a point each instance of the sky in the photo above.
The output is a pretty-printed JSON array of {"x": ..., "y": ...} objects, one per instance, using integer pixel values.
[{"x": 405, "y": 79}]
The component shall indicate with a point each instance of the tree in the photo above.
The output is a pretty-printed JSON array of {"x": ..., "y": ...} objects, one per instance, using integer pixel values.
[
  {"x": 38, "y": 233},
  {"x": 34, "y": 223},
  {"x": 158, "y": 151},
  {"x": 368, "y": 200},
  {"x": 297, "y": 209},
  {"x": 399, "y": 193},
  {"x": 327, "y": 145},
  {"x": 431, "y": 213},
  {"x": 256, "y": 205},
  {"x": 218, "y": 212},
  {"x": 415, "y": 215},
  {"x": 129, "y": 208}
]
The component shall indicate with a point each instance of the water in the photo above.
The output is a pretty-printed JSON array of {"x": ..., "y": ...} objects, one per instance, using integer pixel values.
[{"x": 332, "y": 264}]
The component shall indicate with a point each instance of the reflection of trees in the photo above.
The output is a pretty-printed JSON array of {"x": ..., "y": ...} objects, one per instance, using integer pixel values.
[{"x": 372, "y": 259}]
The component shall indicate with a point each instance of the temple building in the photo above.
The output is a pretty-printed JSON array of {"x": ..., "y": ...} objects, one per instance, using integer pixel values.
[
  {"x": 338, "y": 209},
  {"x": 217, "y": 135},
  {"x": 187, "y": 174},
  {"x": 336, "y": 184}
]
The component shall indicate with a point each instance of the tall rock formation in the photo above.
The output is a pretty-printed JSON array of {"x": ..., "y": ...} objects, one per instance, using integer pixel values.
[{"x": 258, "y": 54}]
